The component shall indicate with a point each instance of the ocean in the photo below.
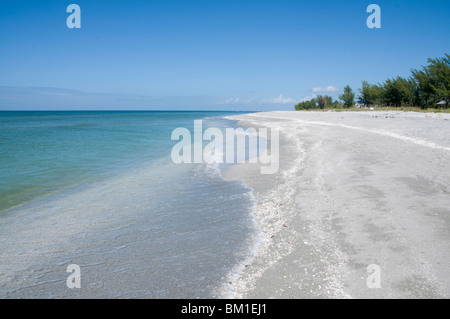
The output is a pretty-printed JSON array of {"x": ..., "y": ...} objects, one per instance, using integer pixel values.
[{"x": 99, "y": 190}]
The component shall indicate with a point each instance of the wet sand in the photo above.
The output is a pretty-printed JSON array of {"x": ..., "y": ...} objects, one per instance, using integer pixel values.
[{"x": 354, "y": 189}]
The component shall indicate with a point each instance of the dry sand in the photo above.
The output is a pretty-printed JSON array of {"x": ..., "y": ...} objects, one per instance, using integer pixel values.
[{"x": 353, "y": 189}]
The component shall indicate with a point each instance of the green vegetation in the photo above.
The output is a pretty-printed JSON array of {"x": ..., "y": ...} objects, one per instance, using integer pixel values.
[
  {"x": 318, "y": 103},
  {"x": 348, "y": 97},
  {"x": 428, "y": 89}
]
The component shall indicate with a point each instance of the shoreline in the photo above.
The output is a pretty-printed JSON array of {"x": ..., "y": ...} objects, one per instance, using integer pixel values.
[
  {"x": 353, "y": 190},
  {"x": 152, "y": 229},
  {"x": 404, "y": 109}
]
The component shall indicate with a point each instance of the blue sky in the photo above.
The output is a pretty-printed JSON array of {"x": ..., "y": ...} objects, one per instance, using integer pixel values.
[{"x": 208, "y": 54}]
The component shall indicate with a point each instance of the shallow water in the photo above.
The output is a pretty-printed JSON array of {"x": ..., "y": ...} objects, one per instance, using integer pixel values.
[{"x": 98, "y": 189}]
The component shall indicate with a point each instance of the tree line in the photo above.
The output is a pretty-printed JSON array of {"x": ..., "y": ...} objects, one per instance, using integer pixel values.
[{"x": 425, "y": 88}]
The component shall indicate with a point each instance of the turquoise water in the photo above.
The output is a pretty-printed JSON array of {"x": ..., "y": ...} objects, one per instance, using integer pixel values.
[
  {"x": 99, "y": 189},
  {"x": 43, "y": 152}
]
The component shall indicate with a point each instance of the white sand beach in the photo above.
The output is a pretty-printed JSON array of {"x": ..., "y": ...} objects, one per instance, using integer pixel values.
[{"x": 353, "y": 189}]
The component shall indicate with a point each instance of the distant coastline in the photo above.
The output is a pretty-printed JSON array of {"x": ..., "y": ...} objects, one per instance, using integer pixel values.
[
  {"x": 426, "y": 89},
  {"x": 381, "y": 109}
]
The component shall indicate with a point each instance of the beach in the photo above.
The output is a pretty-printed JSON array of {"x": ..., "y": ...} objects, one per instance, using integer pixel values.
[
  {"x": 358, "y": 208},
  {"x": 355, "y": 191}
]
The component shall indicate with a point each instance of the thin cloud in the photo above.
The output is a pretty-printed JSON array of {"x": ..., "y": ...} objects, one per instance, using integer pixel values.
[
  {"x": 235, "y": 100},
  {"x": 280, "y": 100},
  {"x": 231, "y": 101},
  {"x": 308, "y": 98},
  {"x": 328, "y": 89},
  {"x": 45, "y": 98}
]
